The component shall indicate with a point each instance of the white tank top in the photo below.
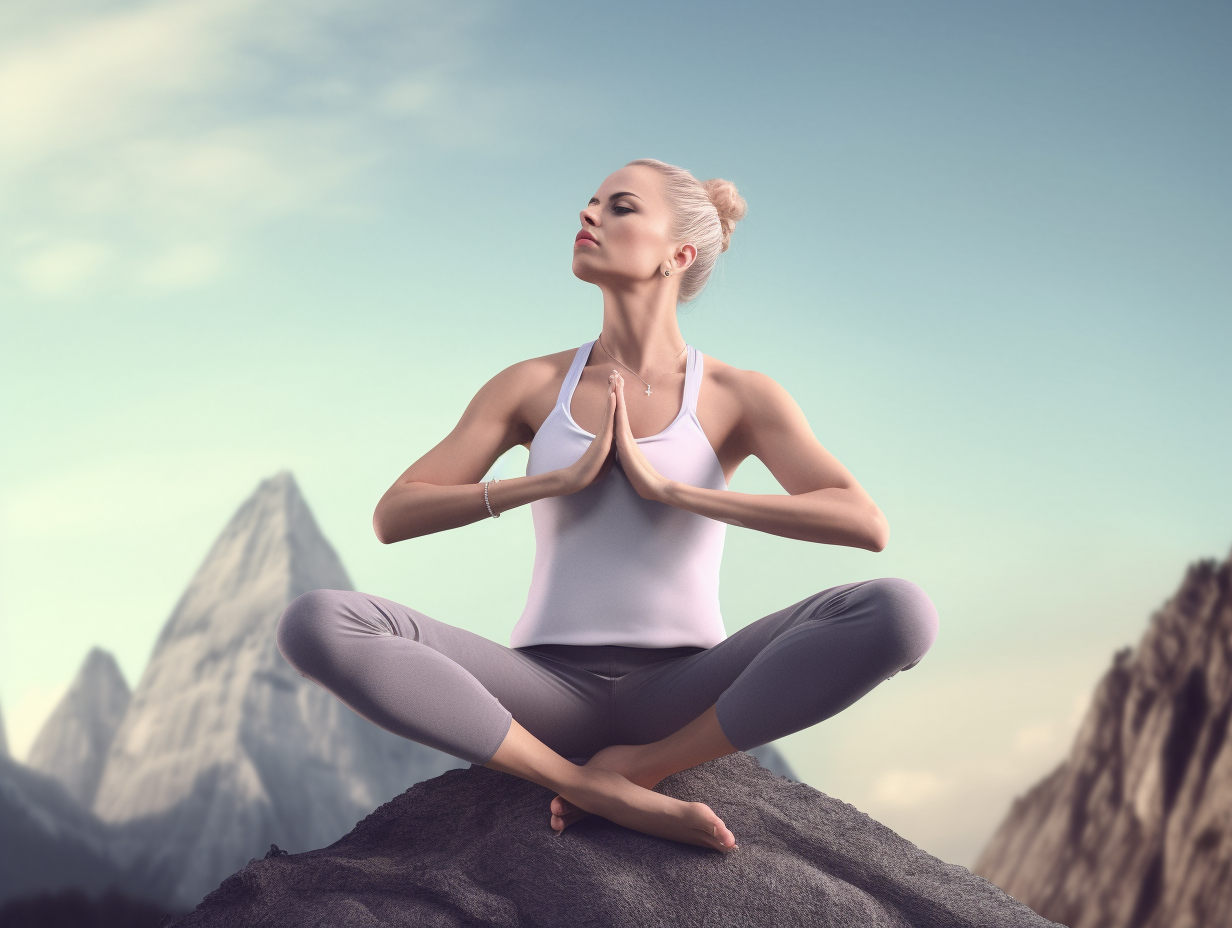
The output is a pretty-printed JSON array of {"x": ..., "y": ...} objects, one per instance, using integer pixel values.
[{"x": 614, "y": 568}]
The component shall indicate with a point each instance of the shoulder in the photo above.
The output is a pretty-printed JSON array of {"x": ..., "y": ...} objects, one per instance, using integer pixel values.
[
  {"x": 523, "y": 393},
  {"x": 533, "y": 374},
  {"x": 756, "y": 393}
]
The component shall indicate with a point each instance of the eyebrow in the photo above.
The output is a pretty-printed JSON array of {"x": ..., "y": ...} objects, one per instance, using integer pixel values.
[{"x": 616, "y": 196}]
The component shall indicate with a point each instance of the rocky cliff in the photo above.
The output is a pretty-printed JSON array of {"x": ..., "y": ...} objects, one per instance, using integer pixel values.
[
  {"x": 1134, "y": 829},
  {"x": 74, "y": 741},
  {"x": 474, "y": 847},
  {"x": 224, "y": 748}
]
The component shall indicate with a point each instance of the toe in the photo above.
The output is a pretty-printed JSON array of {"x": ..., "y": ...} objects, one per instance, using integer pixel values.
[
  {"x": 711, "y": 824},
  {"x": 561, "y": 822}
]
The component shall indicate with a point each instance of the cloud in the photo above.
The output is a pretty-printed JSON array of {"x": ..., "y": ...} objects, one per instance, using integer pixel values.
[
  {"x": 907, "y": 787},
  {"x": 99, "y": 79},
  {"x": 62, "y": 268},
  {"x": 952, "y": 806},
  {"x": 1030, "y": 739},
  {"x": 155, "y": 126}
]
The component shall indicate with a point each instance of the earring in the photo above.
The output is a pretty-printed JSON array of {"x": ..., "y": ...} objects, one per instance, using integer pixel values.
[{"x": 667, "y": 273}]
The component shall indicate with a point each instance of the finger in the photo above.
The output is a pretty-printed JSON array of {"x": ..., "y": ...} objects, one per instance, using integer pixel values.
[
  {"x": 622, "y": 411},
  {"x": 604, "y": 435},
  {"x": 613, "y": 396}
]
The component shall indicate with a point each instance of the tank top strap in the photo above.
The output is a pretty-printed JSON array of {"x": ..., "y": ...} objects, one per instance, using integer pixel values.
[
  {"x": 575, "y": 374},
  {"x": 692, "y": 379}
]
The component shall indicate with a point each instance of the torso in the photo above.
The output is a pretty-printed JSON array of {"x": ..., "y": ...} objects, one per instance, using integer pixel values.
[{"x": 610, "y": 566}]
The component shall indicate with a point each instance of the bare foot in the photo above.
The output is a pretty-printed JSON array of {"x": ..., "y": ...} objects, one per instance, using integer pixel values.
[
  {"x": 611, "y": 795},
  {"x": 619, "y": 758}
]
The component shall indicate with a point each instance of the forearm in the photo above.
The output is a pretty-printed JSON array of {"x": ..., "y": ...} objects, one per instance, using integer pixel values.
[
  {"x": 411, "y": 509},
  {"x": 832, "y": 516}
]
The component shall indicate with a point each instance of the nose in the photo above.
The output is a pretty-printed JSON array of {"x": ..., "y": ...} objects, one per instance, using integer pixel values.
[{"x": 589, "y": 216}]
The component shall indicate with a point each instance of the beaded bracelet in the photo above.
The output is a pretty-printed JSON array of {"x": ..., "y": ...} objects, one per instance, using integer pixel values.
[{"x": 494, "y": 515}]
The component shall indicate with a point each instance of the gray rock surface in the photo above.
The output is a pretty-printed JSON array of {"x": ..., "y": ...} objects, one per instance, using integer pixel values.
[
  {"x": 73, "y": 743},
  {"x": 225, "y": 749},
  {"x": 1134, "y": 829},
  {"x": 474, "y": 847}
]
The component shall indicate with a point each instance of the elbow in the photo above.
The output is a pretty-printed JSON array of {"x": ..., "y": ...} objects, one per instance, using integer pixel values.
[
  {"x": 878, "y": 532},
  {"x": 380, "y": 529}
]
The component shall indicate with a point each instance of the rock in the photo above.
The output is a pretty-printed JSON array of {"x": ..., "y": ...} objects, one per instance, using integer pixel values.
[
  {"x": 474, "y": 847},
  {"x": 1134, "y": 828},
  {"x": 73, "y": 743},
  {"x": 224, "y": 747}
]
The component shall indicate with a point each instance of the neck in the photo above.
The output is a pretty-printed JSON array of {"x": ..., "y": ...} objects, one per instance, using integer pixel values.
[{"x": 640, "y": 328}]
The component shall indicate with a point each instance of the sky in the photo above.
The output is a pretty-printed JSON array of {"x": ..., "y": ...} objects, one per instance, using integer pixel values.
[{"x": 987, "y": 252}]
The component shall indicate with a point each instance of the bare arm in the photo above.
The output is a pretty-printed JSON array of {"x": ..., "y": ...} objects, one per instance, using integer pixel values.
[
  {"x": 824, "y": 504},
  {"x": 441, "y": 490}
]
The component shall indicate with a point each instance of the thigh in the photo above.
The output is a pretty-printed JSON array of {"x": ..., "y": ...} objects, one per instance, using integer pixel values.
[
  {"x": 654, "y": 701},
  {"x": 564, "y": 707}
]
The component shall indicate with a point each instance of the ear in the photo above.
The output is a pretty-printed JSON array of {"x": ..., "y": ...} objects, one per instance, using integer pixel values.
[{"x": 683, "y": 258}]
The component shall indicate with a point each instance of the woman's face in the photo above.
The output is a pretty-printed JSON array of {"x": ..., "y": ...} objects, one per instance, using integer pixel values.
[{"x": 626, "y": 231}]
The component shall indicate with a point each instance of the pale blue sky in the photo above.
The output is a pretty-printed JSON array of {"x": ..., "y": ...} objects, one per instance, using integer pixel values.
[{"x": 987, "y": 251}]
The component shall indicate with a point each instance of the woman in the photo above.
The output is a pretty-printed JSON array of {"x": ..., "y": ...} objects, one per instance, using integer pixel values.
[{"x": 619, "y": 671}]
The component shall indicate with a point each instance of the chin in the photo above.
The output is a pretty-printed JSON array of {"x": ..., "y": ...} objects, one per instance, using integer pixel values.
[{"x": 583, "y": 270}]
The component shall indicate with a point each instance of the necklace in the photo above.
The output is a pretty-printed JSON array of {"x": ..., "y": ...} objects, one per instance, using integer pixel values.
[{"x": 629, "y": 369}]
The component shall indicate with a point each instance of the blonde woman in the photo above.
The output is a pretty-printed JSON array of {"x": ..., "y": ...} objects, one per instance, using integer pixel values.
[{"x": 619, "y": 671}]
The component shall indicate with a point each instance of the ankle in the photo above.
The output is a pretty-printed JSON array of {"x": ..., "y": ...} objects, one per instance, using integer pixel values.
[
  {"x": 650, "y": 769},
  {"x": 573, "y": 778}
]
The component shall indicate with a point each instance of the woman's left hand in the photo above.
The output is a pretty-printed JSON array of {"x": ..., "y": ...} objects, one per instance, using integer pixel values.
[{"x": 648, "y": 482}]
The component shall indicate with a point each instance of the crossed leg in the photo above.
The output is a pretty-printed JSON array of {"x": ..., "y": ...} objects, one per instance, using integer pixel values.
[
  {"x": 449, "y": 689},
  {"x": 778, "y": 675}
]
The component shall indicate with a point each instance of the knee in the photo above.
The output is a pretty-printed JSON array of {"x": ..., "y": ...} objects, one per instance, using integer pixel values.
[
  {"x": 907, "y": 616},
  {"x": 305, "y": 626}
]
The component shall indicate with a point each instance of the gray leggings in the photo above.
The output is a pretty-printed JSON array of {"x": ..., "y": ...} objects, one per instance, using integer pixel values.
[{"x": 457, "y": 691}]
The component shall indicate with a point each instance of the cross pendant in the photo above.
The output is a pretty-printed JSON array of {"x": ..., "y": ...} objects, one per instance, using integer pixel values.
[{"x": 648, "y": 389}]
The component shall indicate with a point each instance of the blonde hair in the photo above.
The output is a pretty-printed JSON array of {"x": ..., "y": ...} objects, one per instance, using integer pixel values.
[{"x": 706, "y": 213}]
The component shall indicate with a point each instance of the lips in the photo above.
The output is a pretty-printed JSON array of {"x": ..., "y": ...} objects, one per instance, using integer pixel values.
[{"x": 585, "y": 236}]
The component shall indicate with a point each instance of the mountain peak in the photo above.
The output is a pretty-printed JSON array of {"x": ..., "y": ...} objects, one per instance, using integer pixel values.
[
  {"x": 271, "y": 549},
  {"x": 225, "y": 748},
  {"x": 73, "y": 743}
]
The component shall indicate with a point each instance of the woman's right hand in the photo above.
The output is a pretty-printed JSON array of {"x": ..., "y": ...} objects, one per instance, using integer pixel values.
[{"x": 597, "y": 459}]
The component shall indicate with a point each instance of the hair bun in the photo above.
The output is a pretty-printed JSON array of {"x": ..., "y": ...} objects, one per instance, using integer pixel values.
[{"x": 729, "y": 204}]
